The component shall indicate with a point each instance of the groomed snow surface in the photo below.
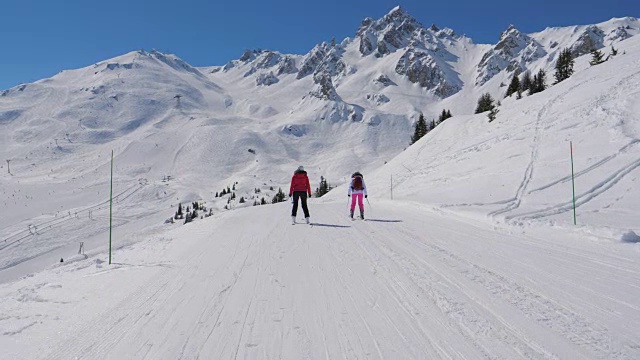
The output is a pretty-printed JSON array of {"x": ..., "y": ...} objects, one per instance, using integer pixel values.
[{"x": 406, "y": 284}]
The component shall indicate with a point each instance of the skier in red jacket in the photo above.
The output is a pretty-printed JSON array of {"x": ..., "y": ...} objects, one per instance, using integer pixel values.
[{"x": 299, "y": 189}]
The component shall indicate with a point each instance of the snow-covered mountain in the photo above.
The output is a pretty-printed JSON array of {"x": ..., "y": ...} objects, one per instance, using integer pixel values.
[
  {"x": 470, "y": 250},
  {"x": 344, "y": 106}
]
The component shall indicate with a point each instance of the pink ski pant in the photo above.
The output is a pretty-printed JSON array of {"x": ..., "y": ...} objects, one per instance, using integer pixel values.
[{"x": 359, "y": 197}]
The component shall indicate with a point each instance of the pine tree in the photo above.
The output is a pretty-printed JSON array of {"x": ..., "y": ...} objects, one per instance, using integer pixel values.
[
  {"x": 420, "y": 129},
  {"x": 596, "y": 57},
  {"x": 279, "y": 197},
  {"x": 263, "y": 201},
  {"x": 216, "y": 194},
  {"x": 324, "y": 187},
  {"x": 179, "y": 213},
  {"x": 485, "y": 103},
  {"x": 564, "y": 65},
  {"x": 532, "y": 88},
  {"x": 444, "y": 115},
  {"x": 241, "y": 201},
  {"x": 540, "y": 83},
  {"x": 614, "y": 52},
  {"x": 514, "y": 85},
  {"x": 526, "y": 81}
]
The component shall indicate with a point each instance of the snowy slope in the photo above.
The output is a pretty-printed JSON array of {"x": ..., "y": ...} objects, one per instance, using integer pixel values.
[
  {"x": 408, "y": 284},
  {"x": 334, "y": 110},
  {"x": 518, "y": 169}
]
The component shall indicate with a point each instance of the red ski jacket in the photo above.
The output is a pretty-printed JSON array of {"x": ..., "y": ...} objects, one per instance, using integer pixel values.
[{"x": 300, "y": 182}]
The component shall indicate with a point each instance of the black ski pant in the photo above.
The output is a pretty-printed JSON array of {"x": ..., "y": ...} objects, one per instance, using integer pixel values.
[{"x": 302, "y": 195}]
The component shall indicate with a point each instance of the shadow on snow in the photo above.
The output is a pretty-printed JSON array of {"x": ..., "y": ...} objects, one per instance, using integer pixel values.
[
  {"x": 385, "y": 220},
  {"x": 330, "y": 225}
]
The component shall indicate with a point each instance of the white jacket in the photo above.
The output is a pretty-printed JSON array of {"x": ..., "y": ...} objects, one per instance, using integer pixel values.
[{"x": 352, "y": 191}]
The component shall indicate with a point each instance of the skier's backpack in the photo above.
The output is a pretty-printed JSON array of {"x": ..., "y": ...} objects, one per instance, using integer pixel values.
[{"x": 357, "y": 182}]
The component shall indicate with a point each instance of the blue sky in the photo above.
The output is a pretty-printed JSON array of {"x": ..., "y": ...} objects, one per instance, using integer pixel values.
[{"x": 39, "y": 38}]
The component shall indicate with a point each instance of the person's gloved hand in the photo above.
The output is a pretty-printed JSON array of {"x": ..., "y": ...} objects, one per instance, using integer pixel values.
[
  {"x": 348, "y": 195},
  {"x": 366, "y": 196}
]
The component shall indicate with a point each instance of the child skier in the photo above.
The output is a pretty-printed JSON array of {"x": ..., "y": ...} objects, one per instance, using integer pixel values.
[
  {"x": 357, "y": 188},
  {"x": 299, "y": 189}
]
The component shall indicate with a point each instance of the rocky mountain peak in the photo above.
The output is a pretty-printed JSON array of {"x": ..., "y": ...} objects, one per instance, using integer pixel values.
[
  {"x": 511, "y": 41},
  {"x": 592, "y": 38},
  {"x": 387, "y": 34},
  {"x": 511, "y": 53},
  {"x": 398, "y": 14}
]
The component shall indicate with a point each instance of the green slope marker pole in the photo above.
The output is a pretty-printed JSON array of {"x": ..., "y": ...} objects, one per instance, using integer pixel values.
[
  {"x": 573, "y": 184},
  {"x": 110, "y": 207}
]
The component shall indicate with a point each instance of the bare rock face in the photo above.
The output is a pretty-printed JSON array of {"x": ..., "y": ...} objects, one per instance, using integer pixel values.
[
  {"x": 313, "y": 60},
  {"x": 263, "y": 60},
  {"x": 512, "y": 53},
  {"x": 387, "y": 34},
  {"x": 266, "y": 79},
  {"x": 339, "y": 111},
  {"x": 332, "y": 63},
  {"x": 383, "y": 80},
  {"x": 325, "y": 58},
  {"x": 421, "y": 68},
  {"x": 267, "y": 59},
  {"x": 324, "y": 88},
  {"x": 618, "y": 34},
  {"x": 246, "y": 56},
  {"x": 425, "y": 56},
  {"x": 287, "y": 65},
  {"x": 377, "y": 99},
  {"x": 591, "y": 39}
]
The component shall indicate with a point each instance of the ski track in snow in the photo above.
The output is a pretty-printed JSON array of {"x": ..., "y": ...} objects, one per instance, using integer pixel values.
[
  {"x": 19, "y": 237},
  {"x": 528, "y": 173},
  {"x": 603, "y": 185},
  {"x": 426, "y": 287}
]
